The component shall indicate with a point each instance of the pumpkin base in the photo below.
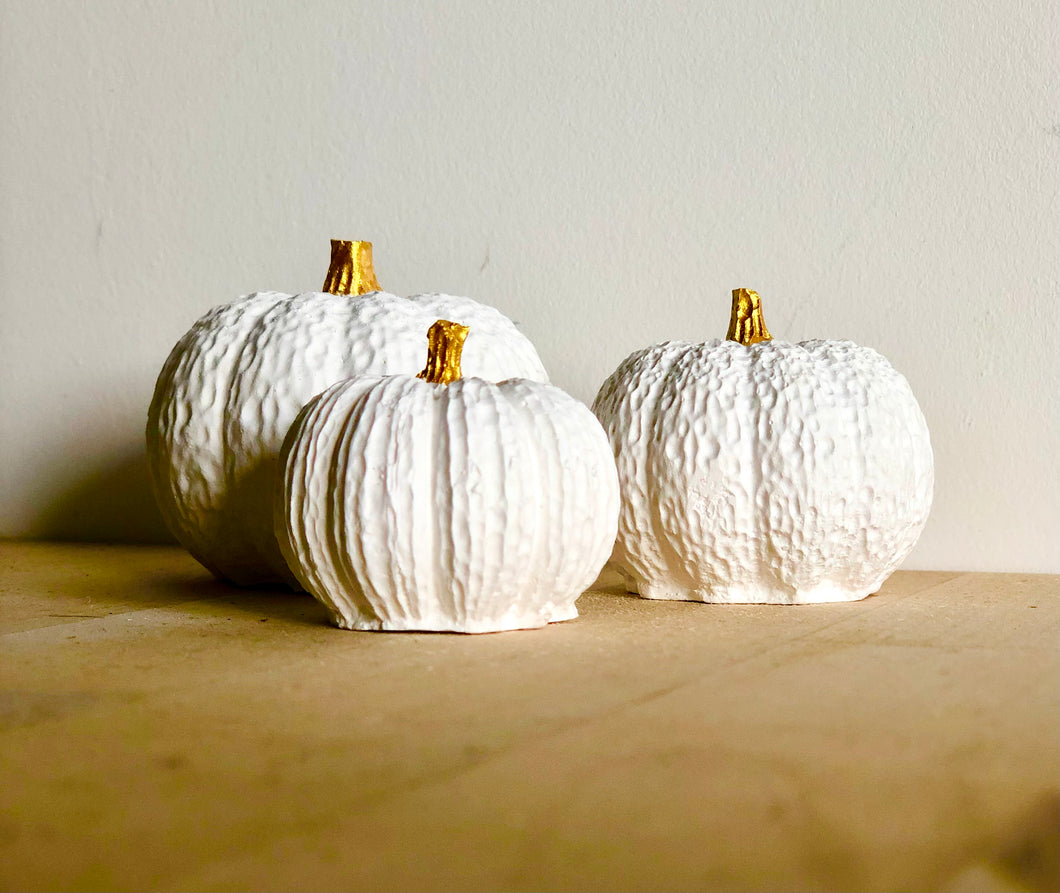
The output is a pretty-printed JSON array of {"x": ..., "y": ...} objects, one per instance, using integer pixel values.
[
  {"x": 442, "y": 624},
  {"x": 824, "y": 593}
]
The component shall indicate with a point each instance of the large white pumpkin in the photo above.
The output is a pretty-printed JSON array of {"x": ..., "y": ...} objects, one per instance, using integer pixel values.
[
  {"x": 469, "y": 506},
  {"x": 760, "y": 471},
  {"x": 234, "y": 383}
]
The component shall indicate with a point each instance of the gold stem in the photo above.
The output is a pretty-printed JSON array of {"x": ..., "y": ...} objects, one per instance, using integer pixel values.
[
  {"x": 351, "y": 271},
  {"x": 746, "y": 324},
  {"x": 445, "y": 343}
]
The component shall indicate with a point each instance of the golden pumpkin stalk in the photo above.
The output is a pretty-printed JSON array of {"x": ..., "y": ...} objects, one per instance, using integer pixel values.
[
  {"x": 445, "y": 344},
  {"x": 747, "y": 324},
  {"x": 351, "y": 271}
]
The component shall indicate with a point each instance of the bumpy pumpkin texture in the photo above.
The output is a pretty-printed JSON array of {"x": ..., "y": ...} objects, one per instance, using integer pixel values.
[
  {"x": 235, "y": 382},
  {"x": 467, "y": 507},
  {"x": 770, "y": 472}
]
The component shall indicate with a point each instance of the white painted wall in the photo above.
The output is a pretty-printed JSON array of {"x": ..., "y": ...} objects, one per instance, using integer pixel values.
[{"x": 604, "y": 173}]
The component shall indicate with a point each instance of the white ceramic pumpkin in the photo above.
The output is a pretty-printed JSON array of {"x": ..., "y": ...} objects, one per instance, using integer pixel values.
[
  {"x": 759, "y": 471},
  {"x": 446, "y": 503},
  {"x": 234, "y": 383}
]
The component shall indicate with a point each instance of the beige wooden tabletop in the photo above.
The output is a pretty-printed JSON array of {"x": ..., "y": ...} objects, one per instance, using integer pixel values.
[{"x": 164, "y": 731}]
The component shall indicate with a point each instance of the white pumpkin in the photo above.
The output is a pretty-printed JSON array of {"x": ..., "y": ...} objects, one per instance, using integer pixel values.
[
  {"x": 234, "y": 383},
  {"x": 759, "y": 471},
  {"x": 450, "y": 504}
]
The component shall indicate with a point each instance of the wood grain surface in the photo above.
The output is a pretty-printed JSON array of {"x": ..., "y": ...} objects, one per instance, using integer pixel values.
[{"x": 160, "y": 730}]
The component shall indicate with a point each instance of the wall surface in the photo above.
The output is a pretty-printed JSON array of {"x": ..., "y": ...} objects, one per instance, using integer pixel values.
[{"x": 604, "y": 173}]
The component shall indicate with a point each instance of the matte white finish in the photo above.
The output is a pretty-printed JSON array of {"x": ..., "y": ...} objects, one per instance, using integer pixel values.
[
  {"x": 471, "y": 507},
  {"x": 234, "y": 383},
  {"x": 776, "y": 473},
  {"x": 601, "y": 172}
]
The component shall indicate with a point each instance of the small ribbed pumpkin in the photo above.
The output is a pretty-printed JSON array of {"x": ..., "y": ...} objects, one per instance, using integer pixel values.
[{"x": 438, "y": 502}]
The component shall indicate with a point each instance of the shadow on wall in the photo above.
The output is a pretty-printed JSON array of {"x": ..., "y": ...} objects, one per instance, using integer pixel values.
[{"x": 110, "y": 504}]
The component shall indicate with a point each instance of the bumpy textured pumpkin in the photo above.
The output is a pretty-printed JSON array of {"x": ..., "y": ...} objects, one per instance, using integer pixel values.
[
  {"x": 446, "y": 503},
  {"x": 754, "y": 470},
  {"x": 234, "y": 383}
]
